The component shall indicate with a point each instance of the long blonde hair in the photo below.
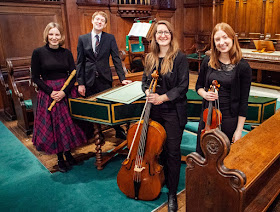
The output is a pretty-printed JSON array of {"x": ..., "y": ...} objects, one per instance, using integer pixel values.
[
  {"x": 152, "y": 59},
  {"x": 235, "y": 53}
]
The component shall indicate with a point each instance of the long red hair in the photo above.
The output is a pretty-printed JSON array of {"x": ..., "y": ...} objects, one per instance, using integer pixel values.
[{"x": 235, "y": 53}]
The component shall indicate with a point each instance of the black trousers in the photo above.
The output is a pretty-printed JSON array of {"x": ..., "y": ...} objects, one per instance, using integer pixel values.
[
  {"x": 100, "y": 84},
  {"x": 228, "y": 126},
  {"x": 171, "y": 155}
]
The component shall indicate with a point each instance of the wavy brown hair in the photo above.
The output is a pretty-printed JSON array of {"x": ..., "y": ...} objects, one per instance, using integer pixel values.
[
  {"x": 235, "y": 53},
  {"x": 49, "y": 27},
  {"x": 152, "y": 58}
]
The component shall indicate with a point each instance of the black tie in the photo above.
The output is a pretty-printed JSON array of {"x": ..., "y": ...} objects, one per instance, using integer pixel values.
[{"x": 96, "y": 45}]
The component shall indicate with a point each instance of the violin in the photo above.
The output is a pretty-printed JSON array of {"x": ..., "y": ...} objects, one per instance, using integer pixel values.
[
  {"x": 141, "y": 176},
  {"x": 212, "y": 116}
]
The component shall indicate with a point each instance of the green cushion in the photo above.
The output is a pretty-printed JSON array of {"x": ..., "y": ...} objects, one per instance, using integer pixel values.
[
  {"x": 28, "y": 103},
  {"x": 188, "y": 143},
  {"x": 194, "y": 55},
  {"x": 136, "y": 48}
]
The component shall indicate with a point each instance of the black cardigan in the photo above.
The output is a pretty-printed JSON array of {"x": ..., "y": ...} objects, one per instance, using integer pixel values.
[
  {"x": 240, "y": 85},
  {"x": 177, "y": 82}
]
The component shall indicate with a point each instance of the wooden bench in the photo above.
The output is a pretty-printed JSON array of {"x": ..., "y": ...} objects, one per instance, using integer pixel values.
[
  {"x": 23, "y": 92},
  {"x": 6, "y": 95},
  {"x": 242, "y": 177}
]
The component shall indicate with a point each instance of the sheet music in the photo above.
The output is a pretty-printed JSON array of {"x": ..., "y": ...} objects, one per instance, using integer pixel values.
[
  {"x": 139, "y": 29},
  {"x": 125, "y": 94}
]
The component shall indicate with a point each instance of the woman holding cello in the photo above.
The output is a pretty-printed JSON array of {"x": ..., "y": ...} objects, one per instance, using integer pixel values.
[
  {"x": 169, "y": 100},
  {"x": 233, "y": 74}
]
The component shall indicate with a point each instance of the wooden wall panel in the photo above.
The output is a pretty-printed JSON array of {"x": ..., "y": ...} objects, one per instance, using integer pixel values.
[
  {"x": 206, "y": 20},
  {"x": 228, "y": 14},
  {"x": 252, "y": 19},
  {"x": 272, "y": 21},
  {"x": 21, "y": 28},
  {"x": 191, "y": 15},
  {"x": 198, "y": 22}
]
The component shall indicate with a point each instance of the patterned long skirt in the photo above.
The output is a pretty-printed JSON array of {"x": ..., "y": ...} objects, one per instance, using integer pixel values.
[{"x": 54, "y": 131}]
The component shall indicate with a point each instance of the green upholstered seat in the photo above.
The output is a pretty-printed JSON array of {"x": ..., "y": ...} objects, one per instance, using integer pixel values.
[
  {"x": 134, "y": 47},
  {"x": 188, "y": 143},
  {"x": 28, "y": 103},
  {"x": 195, "y": 56}
]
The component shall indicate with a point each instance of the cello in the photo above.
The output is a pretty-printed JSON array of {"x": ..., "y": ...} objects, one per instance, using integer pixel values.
[
  {"x": 141, "y": 176},
  {"x": 212, "y": 116}
]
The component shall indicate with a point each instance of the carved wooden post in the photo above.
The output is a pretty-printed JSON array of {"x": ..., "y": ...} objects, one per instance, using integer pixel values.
[{"x": 210, "y": 186}]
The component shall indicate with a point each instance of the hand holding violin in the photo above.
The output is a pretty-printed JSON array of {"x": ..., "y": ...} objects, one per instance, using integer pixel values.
[{"x": 210, "y": 95}]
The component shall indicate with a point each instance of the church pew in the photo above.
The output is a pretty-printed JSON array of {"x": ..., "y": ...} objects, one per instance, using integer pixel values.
[
  {"x": 6, "y": 95},
  {"x": 19, "y": 80},
  {"x": 243, "y": 176}
]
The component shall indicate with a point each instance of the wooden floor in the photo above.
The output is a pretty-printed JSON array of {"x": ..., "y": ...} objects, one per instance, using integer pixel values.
[{"x": 82, "y": 153}]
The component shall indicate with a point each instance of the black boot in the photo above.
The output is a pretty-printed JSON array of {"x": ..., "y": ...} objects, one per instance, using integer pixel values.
[
  {"x": 172, "y": 203},
  {"x": 70, "y": 159},
  {"x": 120, "y": 133},
  {"x": 61, "y": 163},
  {"x": 62, "y": 166}
]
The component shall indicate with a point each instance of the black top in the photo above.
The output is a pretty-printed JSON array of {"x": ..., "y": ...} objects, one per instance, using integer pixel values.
[
  {"x": 239, "y": 87},
  {"x": 175, "y": 85},
  {"x": 51, "y": 64},
  {"x": 223, "y": 76}
]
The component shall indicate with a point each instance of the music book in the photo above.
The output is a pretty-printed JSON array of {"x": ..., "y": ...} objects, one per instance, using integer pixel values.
[
  {"x": 264, "y": 46},
  {"x": 125, "y": 94},
  {"x": 140, "y": 29}
]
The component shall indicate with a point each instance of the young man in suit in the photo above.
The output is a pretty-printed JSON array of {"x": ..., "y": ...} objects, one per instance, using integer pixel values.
[{"x": 93, "y": 69}]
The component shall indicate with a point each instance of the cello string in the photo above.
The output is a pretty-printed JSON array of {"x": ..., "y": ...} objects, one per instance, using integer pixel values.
[
  {"x": 145, "y": 130},
  {"x": 137, "y": 129},
  {"x": 140, "y": 151}
]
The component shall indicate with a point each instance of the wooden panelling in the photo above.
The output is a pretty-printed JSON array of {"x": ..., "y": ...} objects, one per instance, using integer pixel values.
[
  {"x": 206, "y": 24},
  {"x": 22, "y": 26},
  {"x": 191, "y": 16},
  {"x": 252, "y": 19},
  {"x": 198, "y": 21}
]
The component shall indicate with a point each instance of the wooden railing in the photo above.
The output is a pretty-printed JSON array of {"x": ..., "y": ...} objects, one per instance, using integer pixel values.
[{"x": 139, "y": 2}]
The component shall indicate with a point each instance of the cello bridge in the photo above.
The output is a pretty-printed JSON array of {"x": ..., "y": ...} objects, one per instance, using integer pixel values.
[{"x": 138, "y": 169}]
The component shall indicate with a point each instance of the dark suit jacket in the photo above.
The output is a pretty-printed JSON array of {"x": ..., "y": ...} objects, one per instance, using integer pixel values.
[{"x": 88, "y": 64}]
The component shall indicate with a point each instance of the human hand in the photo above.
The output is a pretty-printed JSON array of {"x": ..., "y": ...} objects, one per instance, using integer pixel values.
[
  {"x": 125, "y": 82},
  {"x": 147, "y": 92},
  {"x": 236, "y": 136},
  {"x": 82, "y": 90},
  {"x": 155, "y": 99},
  {"x": 58, "y": 95},
  {"x": 210, "y": 96}
]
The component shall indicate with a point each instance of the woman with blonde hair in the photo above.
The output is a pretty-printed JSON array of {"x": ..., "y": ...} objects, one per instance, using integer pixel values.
[
  {"x": 234, "y": 74},
  {"x": 54, "y": 131},
  {"x": 169, "y": 102}
]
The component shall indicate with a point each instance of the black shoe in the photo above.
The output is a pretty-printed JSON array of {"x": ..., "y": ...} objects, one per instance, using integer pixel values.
[
  {"x": 70, "y": 159},
  {"x": 120, "y": 134},
  {"x": 62, "y": 166},
  {"x": 172, "y": 203}
]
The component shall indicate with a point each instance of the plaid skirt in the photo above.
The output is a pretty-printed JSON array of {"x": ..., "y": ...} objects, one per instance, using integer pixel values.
[{"x": 54, "y": 131}]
